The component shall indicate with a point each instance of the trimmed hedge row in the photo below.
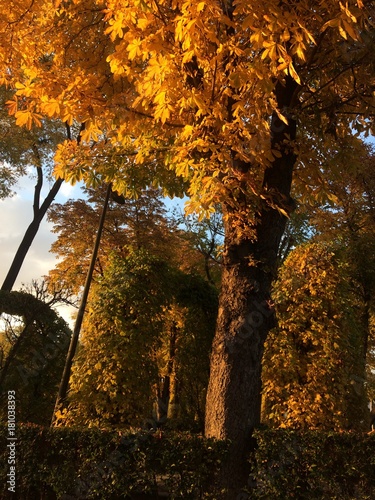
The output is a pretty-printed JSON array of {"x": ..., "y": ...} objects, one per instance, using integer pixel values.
[
  {"x": 68, "y": 464},
  {"x": 314, "y": 465}
]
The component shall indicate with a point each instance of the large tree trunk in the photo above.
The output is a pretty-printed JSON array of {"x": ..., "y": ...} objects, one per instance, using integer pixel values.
[{"x": 245, "y": 310}]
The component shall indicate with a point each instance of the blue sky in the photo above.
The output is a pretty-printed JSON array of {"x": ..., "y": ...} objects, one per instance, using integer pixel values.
[{"x": 16, "y": 215}]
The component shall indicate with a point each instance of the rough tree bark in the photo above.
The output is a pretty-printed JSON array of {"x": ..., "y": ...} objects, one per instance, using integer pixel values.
[{"x": 245, "y": 310}]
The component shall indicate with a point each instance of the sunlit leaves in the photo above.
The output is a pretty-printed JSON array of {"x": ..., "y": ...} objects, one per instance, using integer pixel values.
[
  {"x": 51, "y": 108},
  {"x": 150, "y": 69},
  {"x": 140, "y": 311},
  {"x": 115, "y": 25},
  {"x": 27, "y": 118},
  {"x": 311, "y": 357}
]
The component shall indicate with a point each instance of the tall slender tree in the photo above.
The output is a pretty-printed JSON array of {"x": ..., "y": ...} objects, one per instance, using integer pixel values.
[{"x": 34, "y": 152}]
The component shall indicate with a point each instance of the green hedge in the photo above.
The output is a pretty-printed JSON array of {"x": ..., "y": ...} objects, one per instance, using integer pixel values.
[
  {"x": 314, "y": 465},
  {"x": 69, "y": 464}
]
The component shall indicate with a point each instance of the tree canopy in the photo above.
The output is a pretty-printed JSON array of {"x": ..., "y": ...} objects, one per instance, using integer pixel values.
[{"x": 193, "y": 84}]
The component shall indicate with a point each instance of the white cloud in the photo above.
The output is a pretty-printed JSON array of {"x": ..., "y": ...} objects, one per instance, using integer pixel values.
[
  {"x": 69, "y": 191},
  {"x": 16, "y": 216}
]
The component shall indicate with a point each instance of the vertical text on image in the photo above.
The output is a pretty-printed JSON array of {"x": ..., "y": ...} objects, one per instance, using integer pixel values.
[{"x": 12, "y": 439}]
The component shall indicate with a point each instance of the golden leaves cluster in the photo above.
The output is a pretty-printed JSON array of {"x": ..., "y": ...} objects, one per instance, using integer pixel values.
[
  {"x": 309, "y": 357},
  {"x": 197, "y": 79}
]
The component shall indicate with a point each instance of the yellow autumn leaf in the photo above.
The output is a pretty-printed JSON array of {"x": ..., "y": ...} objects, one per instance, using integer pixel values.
[
  {"x": 51, "y": 108},
  {"x": 264, "y": 54},
  {"x": 68, "y": 116},
  {"x": 300, "y": 51},
  {"x": 345, "y": 9},
  {"x": 282, "y": 117},
  {"x": 283, "y": 212},
  {"x": 188, "y": 130},
  {"x": 160, "y": 98},
  {"x": 12, "y": 106},
  {"x": 24, "y": 90},
  {"x": 201, "y": 6},
  {"x": 27, "y": 118},
  {"x": 293, "y": 73},
  {"x": 134, "y": 48},
  {"x": 163, "y": 113},
  {"x": 285, "y": 37},
  {"x": 332, "y": 23},
  {"x": 142, "y": 23},
  {"x": 115, "y": 28},
  {"x": 350, "y": 30}
]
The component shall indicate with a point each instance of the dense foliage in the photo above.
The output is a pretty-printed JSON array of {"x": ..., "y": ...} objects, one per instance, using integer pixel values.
[
  {"x": 70, "y": 464},
  {"x": 33, "y": 344},
  {"x": 314, "y": 465},
  {"x": 101, "y": 465},
  {"x": 145, "y": 345},
  {"x": 313, "y": 368}
]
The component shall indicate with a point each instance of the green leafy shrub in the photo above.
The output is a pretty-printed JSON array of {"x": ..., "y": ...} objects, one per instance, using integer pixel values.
[
  {"x": 314, "y": 465},
  {"x": 67, "y": 464},
  {"x": 71, "y": 464}
]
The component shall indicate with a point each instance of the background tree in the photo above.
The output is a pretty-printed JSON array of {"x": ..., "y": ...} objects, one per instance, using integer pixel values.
[
  {"x": 346, "y": 227},
  {"x": 298, "y": 230},
  {"x": 21, "y": 148},
  {"x": 35, "y": 151},
  {"x": 34, "y": 342},
  {"x": 141, "y": 222},
  {"x": 145, "y": 320},
  {"x": 206, "y": 235},
  {"x": 351, "y": 225},
  {"x": 313, "y": 359},
  {"x": 198, "y": 300},
  {"x": 342, "y": 217}
]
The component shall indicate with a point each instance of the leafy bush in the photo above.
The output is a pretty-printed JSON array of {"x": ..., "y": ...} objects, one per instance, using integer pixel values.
[
  {"x": 35, "y": 341},
  {"x": 68, "y": 464},
  {"x": 314, "y": 465}
]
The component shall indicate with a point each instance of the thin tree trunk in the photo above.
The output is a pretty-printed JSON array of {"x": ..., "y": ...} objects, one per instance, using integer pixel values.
[
  {"x": 64, "y": 383},
  {"x": 32, "y": 230},
  {"x": 246, "y": 315},
  {"x": 168, "y": 385}
]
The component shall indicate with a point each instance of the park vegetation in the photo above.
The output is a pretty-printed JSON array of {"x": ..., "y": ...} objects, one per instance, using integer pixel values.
[{"x": 254, "y": 308}]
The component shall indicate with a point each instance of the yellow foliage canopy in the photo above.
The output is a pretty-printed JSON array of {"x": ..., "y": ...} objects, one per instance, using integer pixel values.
[{"x": 190, "y": 84}]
